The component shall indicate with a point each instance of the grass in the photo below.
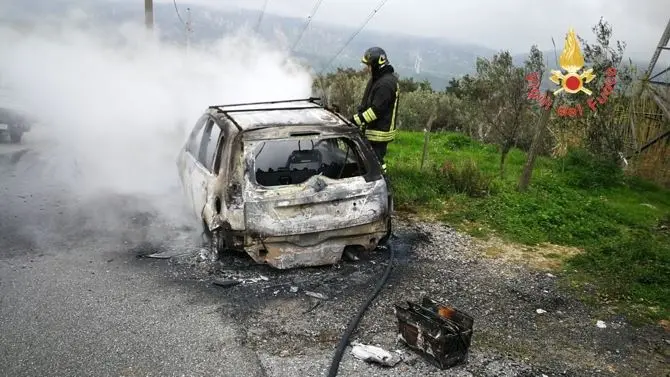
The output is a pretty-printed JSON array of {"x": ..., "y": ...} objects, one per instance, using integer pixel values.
[{"x": 575, "y": 201}]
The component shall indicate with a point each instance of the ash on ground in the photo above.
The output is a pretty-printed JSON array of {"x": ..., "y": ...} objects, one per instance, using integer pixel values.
[{"x": 525, "y": 324}]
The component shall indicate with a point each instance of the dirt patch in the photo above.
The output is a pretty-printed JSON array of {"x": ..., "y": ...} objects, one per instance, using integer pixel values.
[{"x": 546, "y": 256}]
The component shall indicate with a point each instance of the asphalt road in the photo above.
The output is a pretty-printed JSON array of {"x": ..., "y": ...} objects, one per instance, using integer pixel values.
[{"x": 75, "y": 299}]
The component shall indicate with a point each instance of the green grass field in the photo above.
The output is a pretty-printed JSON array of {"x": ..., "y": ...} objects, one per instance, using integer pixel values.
[{"x": 621, "y": 223}]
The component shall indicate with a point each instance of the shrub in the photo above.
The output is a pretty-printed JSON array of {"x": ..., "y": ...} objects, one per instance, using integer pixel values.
[
  {"x": 664, "y": 224},
  {"x": 466, "y": 178},
  {"x": 633, "y": 265},
  {"x": 416, "y": 108},
  {"x": 458, "y": 141},
  {"x": 586, "y": 171}
]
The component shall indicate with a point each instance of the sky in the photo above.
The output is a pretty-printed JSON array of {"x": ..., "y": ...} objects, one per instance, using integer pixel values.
[{"x": 509, "y": 24}]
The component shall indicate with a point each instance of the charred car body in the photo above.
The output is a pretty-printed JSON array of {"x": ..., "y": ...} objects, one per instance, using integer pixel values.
[{"x": 289, "y": 182}]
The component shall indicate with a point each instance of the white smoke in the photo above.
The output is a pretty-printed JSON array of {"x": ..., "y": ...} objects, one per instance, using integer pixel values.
[
  {"x": 115, "y": 106},
  {"x": 120, "y": 105}
]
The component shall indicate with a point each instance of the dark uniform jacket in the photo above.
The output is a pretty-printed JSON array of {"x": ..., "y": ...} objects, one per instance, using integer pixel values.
[{"x": 377, "y": 112}]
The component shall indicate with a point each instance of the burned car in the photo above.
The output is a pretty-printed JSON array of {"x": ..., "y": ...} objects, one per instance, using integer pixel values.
[{"x": 290, "y": 183}]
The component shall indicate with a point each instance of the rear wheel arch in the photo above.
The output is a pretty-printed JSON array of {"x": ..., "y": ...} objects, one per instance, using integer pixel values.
[{"x": 15, "y": 133}]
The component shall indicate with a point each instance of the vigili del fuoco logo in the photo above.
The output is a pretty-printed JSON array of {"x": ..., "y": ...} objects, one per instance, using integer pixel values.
[{"x": 573, "y": 78}]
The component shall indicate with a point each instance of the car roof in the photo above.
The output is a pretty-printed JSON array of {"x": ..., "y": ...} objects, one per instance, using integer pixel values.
[{"x": 261, "y": 115}]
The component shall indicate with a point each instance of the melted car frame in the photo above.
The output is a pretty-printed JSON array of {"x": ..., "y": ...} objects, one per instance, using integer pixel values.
[{"x": 290, "y": 183}]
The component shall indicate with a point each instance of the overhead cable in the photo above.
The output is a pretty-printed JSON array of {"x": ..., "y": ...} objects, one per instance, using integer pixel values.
[
  {"x": 260, "y": 18},
  {"x": 309, "y": 20},
  {"x": 176, "y": 9},
  {"x": 381, "y": 4}
]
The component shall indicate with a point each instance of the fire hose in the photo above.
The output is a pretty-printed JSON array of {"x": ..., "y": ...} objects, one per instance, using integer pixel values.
[
  {"x": 344, "y": 341},
  {"x": 335, "y": 363}
]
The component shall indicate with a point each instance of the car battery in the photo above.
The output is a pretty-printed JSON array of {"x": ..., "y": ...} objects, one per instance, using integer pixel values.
[{"x": 439, "y": 333}]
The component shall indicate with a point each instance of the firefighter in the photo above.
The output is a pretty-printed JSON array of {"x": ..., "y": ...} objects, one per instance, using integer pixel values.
[{"x": 376, "y": 116}]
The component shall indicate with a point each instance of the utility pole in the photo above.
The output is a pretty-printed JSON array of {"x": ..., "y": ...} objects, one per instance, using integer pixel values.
[
  {"x": 188, "y": 29},
  {"x": 149, "y": 14}
]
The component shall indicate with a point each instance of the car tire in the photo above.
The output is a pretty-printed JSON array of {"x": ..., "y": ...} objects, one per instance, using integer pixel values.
[
  {"x": 15, "y": 136},
  {"x": 219, "y": 245},
  {"x": 384, "y": 240}
]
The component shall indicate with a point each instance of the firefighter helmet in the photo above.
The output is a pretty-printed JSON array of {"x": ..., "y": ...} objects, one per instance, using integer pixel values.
[{"x": 375, "y": 57}]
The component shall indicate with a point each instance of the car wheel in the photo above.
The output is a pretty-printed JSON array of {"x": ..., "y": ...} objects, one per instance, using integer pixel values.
[
  {"x": 384, "y": 240},
  {"x": 218, "y": 244},
  {"x": 389, "y": 225},
  {"x": 15, "y": 136}
]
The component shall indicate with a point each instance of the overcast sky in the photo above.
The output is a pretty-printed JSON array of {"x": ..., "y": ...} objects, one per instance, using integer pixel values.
[{"x": 499, "y": 24}]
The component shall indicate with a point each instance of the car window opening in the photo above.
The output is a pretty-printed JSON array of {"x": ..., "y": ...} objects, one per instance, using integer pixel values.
[{"x": 291, "y": 162}]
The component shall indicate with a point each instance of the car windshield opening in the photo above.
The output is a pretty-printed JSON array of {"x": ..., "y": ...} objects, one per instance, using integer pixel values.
[{"x": 293, "y": 161}]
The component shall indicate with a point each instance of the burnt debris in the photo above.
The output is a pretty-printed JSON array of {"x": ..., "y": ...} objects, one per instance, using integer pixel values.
[{"x": 439, "y": 333}]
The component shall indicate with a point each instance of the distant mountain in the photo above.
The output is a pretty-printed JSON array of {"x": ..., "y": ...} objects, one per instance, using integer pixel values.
[
  {"x": 438, "y": 60},
  {"x": 422, "y": 58}
]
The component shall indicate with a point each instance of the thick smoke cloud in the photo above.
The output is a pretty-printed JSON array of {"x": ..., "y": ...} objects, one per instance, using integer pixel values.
[
  {"x": 115, "y": 106},
  {"x": 121, "y": 108}
]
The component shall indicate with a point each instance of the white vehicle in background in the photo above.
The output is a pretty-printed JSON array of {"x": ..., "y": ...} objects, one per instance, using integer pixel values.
[
  {"x": 14, "y": 120},
  {"x": 12, "y": 125}
]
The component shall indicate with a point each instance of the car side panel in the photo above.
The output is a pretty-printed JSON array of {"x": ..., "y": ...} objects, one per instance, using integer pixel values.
[
  {"x": 188, "y": 167},
  {"x": 200, "y": 181},
  {"x": 184, "y": 167}
]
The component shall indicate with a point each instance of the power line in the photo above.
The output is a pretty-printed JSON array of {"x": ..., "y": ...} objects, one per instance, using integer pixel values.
[
  {"x": 189, "y": 30},
  {"x": 309, "y": 19},
  {"x": 555, "y": 53},
  {"x": 381, "y": 4},
  {"x": 177, "y": 10},
  {"x": 260, "y": 18},
  {"x": 187, "y": 23}
]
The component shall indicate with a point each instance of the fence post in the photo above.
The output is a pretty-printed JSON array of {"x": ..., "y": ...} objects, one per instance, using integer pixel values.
[
  {"x": 426, "y": 137},
  {"x": 427, "y": 130}
]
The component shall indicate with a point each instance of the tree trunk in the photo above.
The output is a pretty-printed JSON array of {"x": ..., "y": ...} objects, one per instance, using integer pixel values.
[{"x": 527, "y": 173}]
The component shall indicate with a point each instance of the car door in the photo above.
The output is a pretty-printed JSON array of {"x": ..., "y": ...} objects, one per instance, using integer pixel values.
[
  {"x": 203, "y": 176},
  {"x": 187, "y": 159}
]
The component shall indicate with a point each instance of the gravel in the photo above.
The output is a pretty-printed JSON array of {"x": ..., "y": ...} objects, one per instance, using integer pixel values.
[
  {"x": 75, "y": 299},
  {"x": 290, "y": 329}
]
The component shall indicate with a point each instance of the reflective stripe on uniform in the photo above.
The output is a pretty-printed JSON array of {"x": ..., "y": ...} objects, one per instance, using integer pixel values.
[
  {"x": 357, "y": 119},
  {"x": 384, "y": 168},
  {"x": 374, "y": 135},
  {"x": 385, "y": 136},
  {"x": 369, "y": 115},
  {"x": 395, "y": 107}
]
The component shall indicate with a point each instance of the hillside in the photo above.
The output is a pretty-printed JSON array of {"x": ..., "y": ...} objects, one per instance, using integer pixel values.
[{"x": 440, "y": 60}]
